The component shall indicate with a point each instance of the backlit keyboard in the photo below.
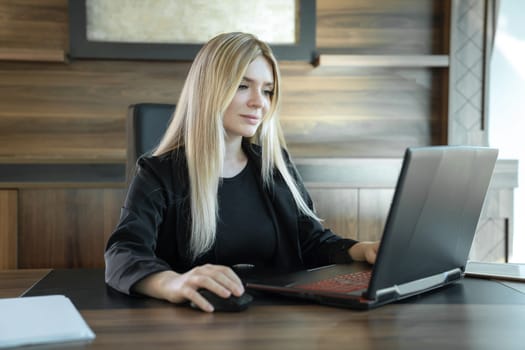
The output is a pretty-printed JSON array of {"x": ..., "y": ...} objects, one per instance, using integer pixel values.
[{"x": 341, "y": 283}]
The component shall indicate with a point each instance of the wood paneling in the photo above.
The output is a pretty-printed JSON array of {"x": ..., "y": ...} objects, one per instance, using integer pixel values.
[
  {"x": 8, "y": 229},
  {"x": 338, "y": 209},
  {"x": 354, "y": 198},
  {"x": 66, "y": 227},
  {"x": 74, "y": 112},
  {"x": 381, "y": 26},
  {"x": 349, "y": 112},
  {"x": 374, "y": 205},
  {"x": 77, "y": 112},
  {"x": 352, "y": 212},
  {"x": 361, "y": 214},
  {"x": 10, "y": 54},
  {"x": 34, "y": 24}
]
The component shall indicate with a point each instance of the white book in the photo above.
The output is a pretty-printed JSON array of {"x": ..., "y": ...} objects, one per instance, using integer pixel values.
[
  {"x": 40, "y": 320},
  {"x": 503, "y": 271}
]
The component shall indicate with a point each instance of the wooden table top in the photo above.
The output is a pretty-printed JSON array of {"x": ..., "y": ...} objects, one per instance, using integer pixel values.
[
  {"x": 404, "y": 325},
  {"x": 14, "y": 282}
]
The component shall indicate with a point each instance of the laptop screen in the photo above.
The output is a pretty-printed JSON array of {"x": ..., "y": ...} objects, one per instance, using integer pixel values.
[{"x": 434, "y": 213}]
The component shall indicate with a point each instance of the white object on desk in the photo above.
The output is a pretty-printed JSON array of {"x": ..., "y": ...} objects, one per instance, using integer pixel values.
[
  {"x": 39, "y": 320},
  {"x": 504, "y": 271}
]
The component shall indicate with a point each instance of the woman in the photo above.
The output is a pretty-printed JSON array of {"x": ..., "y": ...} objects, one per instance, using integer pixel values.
[{"x": 220, "y": 188}]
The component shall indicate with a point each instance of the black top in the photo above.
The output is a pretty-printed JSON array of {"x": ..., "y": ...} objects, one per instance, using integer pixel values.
[
  {"x": 155, "y": 225},
  {"x": 245, "y": 234}
]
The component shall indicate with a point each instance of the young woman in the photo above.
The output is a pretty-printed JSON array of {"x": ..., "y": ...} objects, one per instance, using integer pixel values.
[{"x": 220, "y": 189}]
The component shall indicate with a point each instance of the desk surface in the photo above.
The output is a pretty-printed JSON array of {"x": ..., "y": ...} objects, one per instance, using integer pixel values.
[{"x": 472, "y": 314}]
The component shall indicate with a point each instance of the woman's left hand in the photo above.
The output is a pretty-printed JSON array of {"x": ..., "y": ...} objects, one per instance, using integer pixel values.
[{"x": 364, "y": 251}]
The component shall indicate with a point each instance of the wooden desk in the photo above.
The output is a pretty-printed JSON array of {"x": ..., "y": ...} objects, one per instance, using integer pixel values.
[
  {"x": 471, "y": 319},
  {"x": 15, "y": 282}
]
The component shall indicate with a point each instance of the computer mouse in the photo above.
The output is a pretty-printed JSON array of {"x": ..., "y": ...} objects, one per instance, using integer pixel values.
[
  {"x": 243, "y": 270},
  {"x": 230, "y": 304}
]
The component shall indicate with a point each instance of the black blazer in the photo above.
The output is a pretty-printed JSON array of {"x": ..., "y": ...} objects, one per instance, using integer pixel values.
[{"x": 154, "y": 228}]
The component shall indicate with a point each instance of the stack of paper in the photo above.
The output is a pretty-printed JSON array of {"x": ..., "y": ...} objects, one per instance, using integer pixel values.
[
  {"x": 511, "y": 272},
  {"x": 42, "y": 319}
]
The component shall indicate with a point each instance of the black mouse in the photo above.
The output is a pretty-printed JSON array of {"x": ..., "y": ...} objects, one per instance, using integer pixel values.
[{"x": 230, "y": 304}]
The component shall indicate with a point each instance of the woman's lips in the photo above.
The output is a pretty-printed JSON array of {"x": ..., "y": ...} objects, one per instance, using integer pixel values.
[{"x": 251, "y": 119}]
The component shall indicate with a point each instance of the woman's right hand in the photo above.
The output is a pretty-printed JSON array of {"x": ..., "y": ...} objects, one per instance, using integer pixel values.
[{"x": 177, "y": 288}]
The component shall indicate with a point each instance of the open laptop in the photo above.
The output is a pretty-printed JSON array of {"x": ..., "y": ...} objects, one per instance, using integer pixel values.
[{"x": 426, "y": 240}]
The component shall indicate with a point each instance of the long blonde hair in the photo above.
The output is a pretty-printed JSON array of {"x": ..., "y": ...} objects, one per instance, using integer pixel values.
[{"x": 197, "y": 125}]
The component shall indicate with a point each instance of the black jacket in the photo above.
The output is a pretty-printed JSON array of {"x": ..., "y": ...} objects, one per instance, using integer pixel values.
[{"x": 154, "y": 228}]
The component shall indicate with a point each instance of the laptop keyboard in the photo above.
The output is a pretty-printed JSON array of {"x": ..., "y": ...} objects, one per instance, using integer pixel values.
[{"x": 341, "y": 283}]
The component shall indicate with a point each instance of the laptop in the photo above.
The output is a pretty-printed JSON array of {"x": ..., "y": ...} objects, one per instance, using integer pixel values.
[{"x": 426, "y": 239}]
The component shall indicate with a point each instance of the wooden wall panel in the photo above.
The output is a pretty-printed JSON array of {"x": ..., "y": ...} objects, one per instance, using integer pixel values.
[
  {"x": 374, "y": 205},
  {"x": 381, "y": 26},
  {"x": 8, "y": 229},
  {"x": 348, "y": 112},
  {"x": 34, "y": 24},
  {"x": 338, "y": 209},
  {"x": 76, "y": 112},
  {"x": 66, "y": 228}
]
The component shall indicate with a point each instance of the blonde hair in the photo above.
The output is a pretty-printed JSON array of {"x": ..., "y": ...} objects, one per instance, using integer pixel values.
[{"x": 197, "y": 125}]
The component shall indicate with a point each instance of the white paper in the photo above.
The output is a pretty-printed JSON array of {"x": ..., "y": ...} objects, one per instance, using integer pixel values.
[
  {"x": 496, "y": 270},
  {"x": 39, "y": 320}
]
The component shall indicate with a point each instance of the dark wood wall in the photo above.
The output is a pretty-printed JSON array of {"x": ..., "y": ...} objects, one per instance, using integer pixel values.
[{"x": 73, "y": 112}]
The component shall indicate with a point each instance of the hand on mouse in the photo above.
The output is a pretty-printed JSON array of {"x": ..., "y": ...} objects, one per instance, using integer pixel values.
[
  {"x": 177, "y": 288},
  {"x": 230, "y": 304}
]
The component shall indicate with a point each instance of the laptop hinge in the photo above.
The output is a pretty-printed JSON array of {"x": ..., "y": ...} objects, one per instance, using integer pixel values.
[{"x": 423, "y": 284}]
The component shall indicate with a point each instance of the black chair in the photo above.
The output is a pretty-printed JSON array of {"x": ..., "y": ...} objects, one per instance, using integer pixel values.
[{"x": 146, "y": 123}]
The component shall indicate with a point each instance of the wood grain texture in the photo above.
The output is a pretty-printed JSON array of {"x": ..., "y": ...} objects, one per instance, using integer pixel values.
[
  {"x": 8, "y": 229},
  {"x": 374, "y": 205},
  {"x": 23, "y": 54},
  {"x": 77, "y": 112},
  {"x": 15, "y": 282},
  {"x": 34, "y": 24},
  {"x": 381, "y": 26},
  {"x": 353, "y": 112},
  {"x": 338, "y": 210},
  {"x": 309, "y": 327},
  {"x": 462, "y": 318},
  {"x": 66, "y": 227}
]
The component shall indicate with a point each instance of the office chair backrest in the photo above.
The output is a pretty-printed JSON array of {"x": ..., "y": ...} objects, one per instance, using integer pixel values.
[{"x": 146, "y": 124}]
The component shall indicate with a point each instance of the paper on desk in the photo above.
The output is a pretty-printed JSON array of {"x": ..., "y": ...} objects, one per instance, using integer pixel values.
[
  {"x": 504, "y": 271},
  {"x": 39, "y": 320}
]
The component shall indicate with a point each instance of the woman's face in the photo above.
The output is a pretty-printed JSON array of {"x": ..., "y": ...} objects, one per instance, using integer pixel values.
[{"x": 251, "y": 101}]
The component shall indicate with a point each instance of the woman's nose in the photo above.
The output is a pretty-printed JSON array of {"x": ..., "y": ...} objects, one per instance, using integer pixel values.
[{"x": 256, "y": 100}]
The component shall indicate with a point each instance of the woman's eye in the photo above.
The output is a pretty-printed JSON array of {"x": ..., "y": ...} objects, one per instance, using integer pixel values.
[
  {"x": 268, "y": 92},
  {"x": 243, "y": 86}
]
